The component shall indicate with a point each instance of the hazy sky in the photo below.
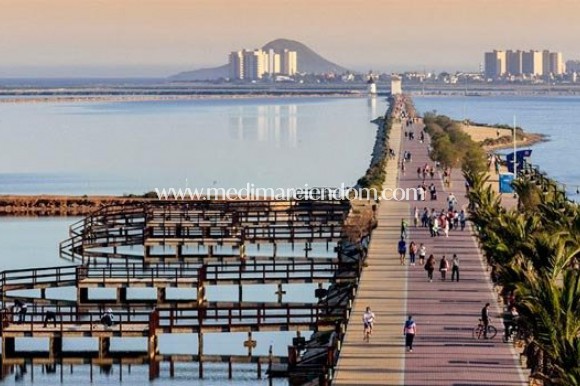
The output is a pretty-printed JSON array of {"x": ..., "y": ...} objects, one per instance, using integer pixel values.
[{"x": 158, "y": 37}]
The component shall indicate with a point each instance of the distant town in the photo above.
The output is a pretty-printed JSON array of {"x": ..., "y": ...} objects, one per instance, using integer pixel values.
[{"x": 288, "y": 61}]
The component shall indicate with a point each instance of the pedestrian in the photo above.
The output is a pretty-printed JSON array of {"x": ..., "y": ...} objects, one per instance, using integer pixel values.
[
  {"x": 444, "y": 224},
  {"x": 462, "y": 219},
  {"x": 435, "y": 231},
  {"x": 443, "y": 267},
  {"x": 416, "y": 217},
  {"x": 455, "y": 267},
  {"x": 455, "y": 219},
  {"x": 422, "y": 254},
  {"x": 451, "y": 201},
  {"x": 108, "y": 318},
  {"x": 21, "y": 308},
  {"x": 412, "y": 253},
  {"x": 404, "y": 228},
  {"x": 425, "y": 218},
  {"x": 430, "y": 267},
  {"x": 50, "y": 315},
  {"x": 368, "y": 321},
  {"x": 485, "y": 319},
  {"x": 409, "y": 331},
  {"x": 420, "y": 193},
  {"x": 402, "y": 248},
  {"x": 419, "y": 173}
]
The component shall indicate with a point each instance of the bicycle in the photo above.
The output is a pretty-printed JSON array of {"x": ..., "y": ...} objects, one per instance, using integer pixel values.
[{"x": 478, "y": 332}]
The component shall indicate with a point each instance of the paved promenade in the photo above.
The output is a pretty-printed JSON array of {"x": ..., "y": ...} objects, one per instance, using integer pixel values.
[
  {"x": 445, "y": 312},
  {"x": 382, "y": 287}
]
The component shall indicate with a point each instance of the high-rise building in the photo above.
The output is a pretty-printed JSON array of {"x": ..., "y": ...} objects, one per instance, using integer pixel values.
[
  {"x": 289, "y": 65},
  {"x": 273, "y": 66},
  {"x": 514, "y": 62},
  {"x": 495, "y": 64},
  {"x": 556, "y": 63},
  {"x": 572, "y": 66},
  {"x": 236, "y": 65},
  {"x": 533, "y": 63},
  {"x": 254, "y": 64}
]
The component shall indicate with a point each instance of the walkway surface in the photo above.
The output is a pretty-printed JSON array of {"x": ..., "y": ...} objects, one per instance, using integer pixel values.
[{"x": 445, "y": 312}]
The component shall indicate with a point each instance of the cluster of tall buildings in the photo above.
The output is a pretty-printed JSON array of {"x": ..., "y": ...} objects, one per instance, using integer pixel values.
[
  {"x": 523, "y": 63},
  {"x": 255, "y": 64}
]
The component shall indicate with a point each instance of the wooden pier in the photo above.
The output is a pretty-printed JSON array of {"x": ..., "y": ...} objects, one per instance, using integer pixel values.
[{"x": 208, "y": 242}]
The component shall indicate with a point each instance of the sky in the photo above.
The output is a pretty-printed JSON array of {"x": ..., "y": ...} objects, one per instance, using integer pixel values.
[{"x": 161, "y": 37}]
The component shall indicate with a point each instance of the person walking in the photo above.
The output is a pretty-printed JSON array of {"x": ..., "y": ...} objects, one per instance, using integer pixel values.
[
  {"x": 443, "y": 267},
  {"x": 430, "y": 267},
  {"x": 404, "y": 228},
  {"x": 451, "y": 202},
  {"x": 422, "y": 254},
  {"x": 416, "y": 217},
  {"x": 22, "y": 310},
  {"x": 409, "y": 330},
  {"x": 462, "y": 219},
  {"x": 412, "y": 253},
  {"x": 485, "y": 319},
  {"x": 425, "y": 218},
  {"x": 368, "y": 321},
  {"x": 455, "y": 267},
  {"x": 402, "y": 249}
]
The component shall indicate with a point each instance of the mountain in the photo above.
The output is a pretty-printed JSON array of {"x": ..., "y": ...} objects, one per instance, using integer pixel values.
[{"x": 308, "y": 61}]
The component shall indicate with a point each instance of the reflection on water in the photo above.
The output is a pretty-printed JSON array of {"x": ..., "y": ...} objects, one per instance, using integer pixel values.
[
  {"x": 276, "y": 124},
  {"x": 372, "y": 104},
  {"x": 118, "y": 148}
]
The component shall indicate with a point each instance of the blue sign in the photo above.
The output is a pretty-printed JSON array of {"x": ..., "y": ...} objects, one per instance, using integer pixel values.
[
  {"x": 505, "y": 183},
  {"x": 520, "y": 155}
]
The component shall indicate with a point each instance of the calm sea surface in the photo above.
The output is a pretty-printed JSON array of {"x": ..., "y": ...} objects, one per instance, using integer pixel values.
[{"x": 135, "y": 147}]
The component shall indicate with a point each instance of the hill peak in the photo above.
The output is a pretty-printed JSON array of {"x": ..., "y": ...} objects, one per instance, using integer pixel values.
[{"x": 308, "y": 62}]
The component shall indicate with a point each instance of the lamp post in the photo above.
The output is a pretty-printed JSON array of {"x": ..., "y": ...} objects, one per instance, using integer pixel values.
[{"x": 515, "y": 163}]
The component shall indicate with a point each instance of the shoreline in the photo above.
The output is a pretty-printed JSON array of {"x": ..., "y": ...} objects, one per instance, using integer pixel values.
[
  {"x": 493, "y": 138},
  {"x": 170, "y": 98}
]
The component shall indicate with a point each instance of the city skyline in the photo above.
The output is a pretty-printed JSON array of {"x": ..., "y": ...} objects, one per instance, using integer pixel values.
[{"x": 159, "y": 38}]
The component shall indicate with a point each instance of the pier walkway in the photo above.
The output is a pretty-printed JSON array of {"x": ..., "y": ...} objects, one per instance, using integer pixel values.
[{"x": 445, "y": 312}]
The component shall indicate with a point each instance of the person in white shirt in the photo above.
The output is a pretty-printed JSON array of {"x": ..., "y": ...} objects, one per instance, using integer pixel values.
[{"x": 368, "y": 321}]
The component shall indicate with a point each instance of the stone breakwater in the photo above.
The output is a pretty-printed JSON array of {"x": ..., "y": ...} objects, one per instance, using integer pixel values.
[
  {"x": 58, "y": 205},
  {"x": 375, "y": 174}
]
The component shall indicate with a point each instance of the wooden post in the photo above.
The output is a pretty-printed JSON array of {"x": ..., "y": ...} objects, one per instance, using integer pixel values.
[
  {"x": 200, "y": 353},
  {"x": 152, "y": 345},
  {"x": 54, "y": 347},
  {"x": 104, "y": 346}
]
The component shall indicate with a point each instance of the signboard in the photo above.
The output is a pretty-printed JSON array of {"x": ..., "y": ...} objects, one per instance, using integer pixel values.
[
  {"x": 505, "y": 183},
  {"x": 520, "y": 155}
]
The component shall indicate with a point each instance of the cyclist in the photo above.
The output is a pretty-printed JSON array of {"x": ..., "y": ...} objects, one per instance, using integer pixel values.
[
  {"x": 485, "y": 319},
  {"x": 368, "y": 321}
]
